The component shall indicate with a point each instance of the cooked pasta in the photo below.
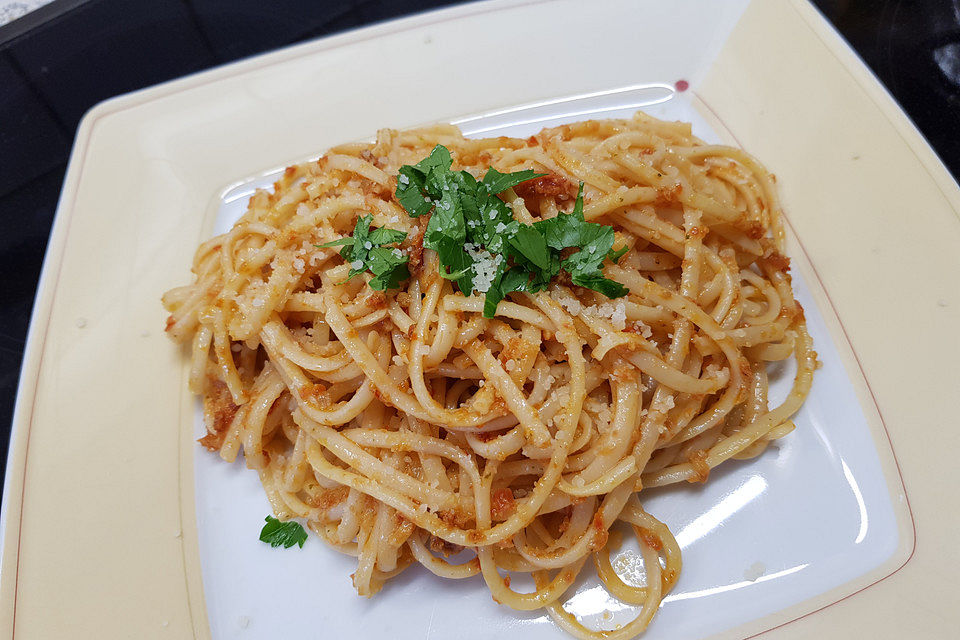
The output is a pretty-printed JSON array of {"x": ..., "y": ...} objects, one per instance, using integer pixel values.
[{"x": 404, "y": 426}]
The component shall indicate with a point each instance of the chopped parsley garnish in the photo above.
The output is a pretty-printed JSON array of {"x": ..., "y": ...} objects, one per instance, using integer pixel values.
[
  {"x": 482, "y": 248},
  {"x": 469, "y": 224},
  {"x": 596, "y": 244},
  {"x": 277, "y": 533},
  {"x": 479, "y": 244},
  {"x": 365, "y": 251}
]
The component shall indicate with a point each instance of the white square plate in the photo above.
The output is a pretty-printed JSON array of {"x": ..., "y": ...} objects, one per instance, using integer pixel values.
[
  {"x": 749, "y": 545},
  {"x": 101, "y": 503}
]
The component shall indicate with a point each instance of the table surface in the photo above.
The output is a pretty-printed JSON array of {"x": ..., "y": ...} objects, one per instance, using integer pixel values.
[{"x": 61, "y": 59}]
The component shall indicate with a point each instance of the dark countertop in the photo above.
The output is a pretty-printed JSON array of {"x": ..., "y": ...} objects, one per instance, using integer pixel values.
[{"x": 60, "y": 60}]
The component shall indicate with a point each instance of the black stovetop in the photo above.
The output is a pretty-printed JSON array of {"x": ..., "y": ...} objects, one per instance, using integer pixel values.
[{"x": 60, "y": 60}]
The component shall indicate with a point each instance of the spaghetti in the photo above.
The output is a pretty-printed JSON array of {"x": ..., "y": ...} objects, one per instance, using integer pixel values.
[{"x": 404, "y": 426}]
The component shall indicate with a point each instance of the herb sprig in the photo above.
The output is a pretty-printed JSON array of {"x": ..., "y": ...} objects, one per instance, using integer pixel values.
[
  {"x": 366, "y": 250},
  {"x": 277, "y": 533},
  {"x": 481, "y": 246}
]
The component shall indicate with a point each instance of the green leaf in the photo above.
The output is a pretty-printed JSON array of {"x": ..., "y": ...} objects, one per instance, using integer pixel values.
[
  {"x": 446, "y": 223},
  {"x": 595, "y": 243},
  {"x": 561, "y": 231},
  {"x": 497, "y": 182},
  {"x": 336, "y": 243},
  {"x": 277, "y": 533},
  {"x": 384, "y": 235},
  {"x": 439, "y": 159},
  {"x": 529, "y": 242},
  {"x": 513, "y": 280},
  {"x": 410, "y": 190},
  {"x": 541, "y": 278},
  {"x": 358, "y": 250},
  {"x": 418, "y": 185},
  {"x": 361, "y": 233},
  {"x": 497, "y": 225},
  {"x": 455, "y": 263},
  {"x": 456, "y": 275},
  {"x": 615, "y": 255},
  {"x": 585, "y": 266},
  {"x": 567, "y": 229},
  {"x": 390, "y": 279},
  {"x": 578, "y": 205},
  {"x": 388, "y": 265},
  {"x": 382, "y": 259},
  {"x": 601, "y": 284}
]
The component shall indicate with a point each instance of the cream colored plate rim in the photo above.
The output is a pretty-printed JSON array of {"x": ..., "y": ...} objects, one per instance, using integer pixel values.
[{"x": 871, "y": 248}]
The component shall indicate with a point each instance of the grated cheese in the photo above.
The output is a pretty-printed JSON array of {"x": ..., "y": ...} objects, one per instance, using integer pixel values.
[
  {"x": 615, "y": 312},
  {"x": 571, "y": 304},
  {"x": 663, "y": 405},
  {"x": 643, "y": 329},
  {"x": 484, "y": 266}
]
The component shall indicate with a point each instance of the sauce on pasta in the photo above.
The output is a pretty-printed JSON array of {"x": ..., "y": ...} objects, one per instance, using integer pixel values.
[{"x": 402, "y": 426}]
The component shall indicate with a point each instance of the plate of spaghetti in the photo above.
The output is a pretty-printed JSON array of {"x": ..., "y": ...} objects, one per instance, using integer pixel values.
[
  {"x": 611, "y": 332},
  {"x": 477, "y": 356}
]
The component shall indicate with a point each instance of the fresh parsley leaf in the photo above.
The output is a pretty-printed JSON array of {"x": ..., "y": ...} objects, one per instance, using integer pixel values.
[
  {"x": 447, "y": 233},
  {"x": 384, "y": 235},
  {"x": 595, "y": 241},
  {"x": 598, "y": 282},
  {"x": 336, "y": 243},
  {"x": 510, "y": 281},
  {"x": 418, "y": 185},
  {"x": 497, "y": 182},
  {"x": 530, "y": 243},
  {"x": 615, "y": 255},
  {"x": 365, "y": 252},
  {"x": 439, "y": 160},
  {"x": 358, "y": 251},
  {"x": 446, "y": 223},
  {"x": 276, "y": 533},
  {"x": 410, "y": 191},
  {"x": 389, "y": 268},
  {"x": 565, "y": 229}
]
